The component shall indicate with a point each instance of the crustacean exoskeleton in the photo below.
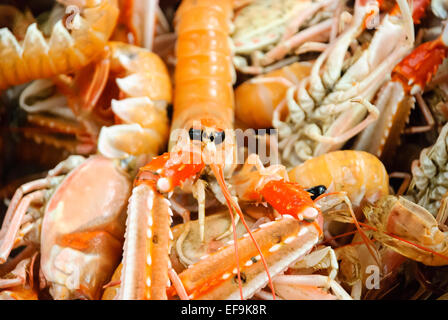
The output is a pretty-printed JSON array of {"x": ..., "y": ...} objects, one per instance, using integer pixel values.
[
  {"x": 400, "y": 228},
  {"x": 71, "y": 44},
  {"x": 203, "y": 97},
  {"x": 207, "y": 271},
  {"x": 436, "y": 97},
  {"x": 19, "y": 283},
  {"x": 329, "y": 106},
  {"x": 187, "y": 247},
  {"x": 128, "y": 83},
  {"x": 409, "y": 229},
  {"x": 266, "y": 31},
  {"x": 356, "y": 266},
  {"x": 396, "y": 99},
  {"x": 80, "y": 248},
  {"x": 203, "y": 108},
  {"x": 364, "y": 179},
  {"x": 266, "y": 96},
  {"x": 429, "y": 172},
  {"x": 282, "y": 242},
  {"x": 360, "y": 174},
  {"x": 78, "y": 230}
]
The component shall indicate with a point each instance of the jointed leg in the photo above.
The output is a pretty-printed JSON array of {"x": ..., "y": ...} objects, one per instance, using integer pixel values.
[
  {"x": 16, "y": 220},
  {"x": 314, "y": 132},
  {"x": 430, "y": 122},
  {"x": 406, "y": 181},
  {"x": 199, "y": 194},
  {"x": 19, "y": 275},
  {"x": 324, "y": 258},
  {"x": 309, "y": 286}
]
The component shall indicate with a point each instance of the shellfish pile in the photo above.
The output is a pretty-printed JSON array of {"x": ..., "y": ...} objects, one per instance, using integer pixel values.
[{"x": 224, "y": 149}]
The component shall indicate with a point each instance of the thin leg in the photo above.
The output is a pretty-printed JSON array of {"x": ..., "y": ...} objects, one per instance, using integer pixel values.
[
  {"x": 150, "y": 22},
  {"x": 406, "y": 181},
  {"x": 337, "y": 16},
  {"x": 66, "y": 166},
  {"x": 430, "y": 122},
  {"x": 324, "y": 258},
  {"x": 310, "y": 284},
  {"x": 230, "y": 230},
  {"x": 308, "y": 34},
  {"x": 199, "y": 195},
  {"x": 178, "y": 285},
  {"x": 97, "y": 84},
  {"x": 181, "y": 210},
  {"x": 9, "y": 265},
  {"x": 302, "y": 16},
  {"x": 311, "y": 46},
  {"x": 442, "y": 214},
  {"x": 314, "y": 132},
  {"x": 8, "y": 241},
  {"x": 19, "y": 274},
  {"x": 17, "y": 198},
  {"x": 162, "y": 20},
  {"x": 341, "y": 197}
]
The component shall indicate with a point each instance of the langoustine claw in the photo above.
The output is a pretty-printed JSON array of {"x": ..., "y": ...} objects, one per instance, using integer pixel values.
[{"x": 282, "y": 242}]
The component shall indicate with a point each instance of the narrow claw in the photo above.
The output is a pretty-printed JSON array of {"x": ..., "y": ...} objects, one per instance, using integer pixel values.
[
  {"x": 8, "y": 241},
  {"x": 288, "y": 198},
  {"x": 418, "y": 68},
  {"x": 147, "y": 244},
  {"x": 282, "y": 242},
  {"x": 171, "y": 170}
]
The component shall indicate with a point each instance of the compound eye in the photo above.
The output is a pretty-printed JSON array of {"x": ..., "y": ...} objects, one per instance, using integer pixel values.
[
  {"x": 317, "y": 191},
  {"x": 218, "y": 137},
  {"x": 195, "y": 134}
]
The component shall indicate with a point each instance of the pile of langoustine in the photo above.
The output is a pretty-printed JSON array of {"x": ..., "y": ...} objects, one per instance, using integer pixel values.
[{"x": 137, "y": 108}]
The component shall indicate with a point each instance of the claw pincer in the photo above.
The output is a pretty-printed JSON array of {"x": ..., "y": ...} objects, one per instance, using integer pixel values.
[
  {"x": 418, "y": 68},
  {"x": 148, "y": 236},
  {"x": 288, "y": 198}
]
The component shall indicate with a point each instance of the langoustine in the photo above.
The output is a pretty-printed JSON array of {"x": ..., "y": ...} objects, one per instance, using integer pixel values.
[
  {"x": 282, "y": 242},
  {"x": 328, "y": 108},
  {"x": 209, "y": 145},
  {"x": 399, "y": 227},
  {"x": 210, "y": 86},
  {"x": 398, "y": 96},
  {"x": 266, "y": 31},
  {"x": 78, "y": 108},
  {"x": 364, "y": 179},
  {"x": 428, "y": 185},
  {"x": 76, "y": 263},
  {"x": 79, "y": 245}
]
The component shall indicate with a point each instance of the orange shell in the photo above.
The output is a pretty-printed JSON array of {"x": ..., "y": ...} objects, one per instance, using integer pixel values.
[
  {"x": 360, "y": 174},
  {"x": 255, "y": 102}
]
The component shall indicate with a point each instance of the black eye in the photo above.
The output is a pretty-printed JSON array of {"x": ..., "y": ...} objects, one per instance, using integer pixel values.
[
  {"x": 195, "y": 134},
  {"x": 316, "y": 191},
  {"x": 218, "y": 137}
]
